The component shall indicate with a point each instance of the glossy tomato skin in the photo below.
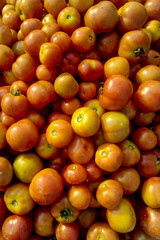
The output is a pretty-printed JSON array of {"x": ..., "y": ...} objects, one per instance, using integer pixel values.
[
  {"x": 134, "y": 45},
  {"x": 147, "y": 96},
  {"x": 21, "y": 227},
  {"x": 63, "y": 211},
  {"x": 67, "y": 231},
  {"x": 87, "y": 217},
  {"x": 46, "y": 186},
  {"x": 6, "y": 171},
  {"x": 101, "y": 230},
  {"x": 41, "y": 93},
  {"x": 15, "y": 135},
  {"x": 113, "y": 99}
]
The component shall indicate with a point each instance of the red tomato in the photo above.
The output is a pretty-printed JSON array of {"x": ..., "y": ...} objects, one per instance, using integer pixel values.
[{"x": 67, "y": 231}]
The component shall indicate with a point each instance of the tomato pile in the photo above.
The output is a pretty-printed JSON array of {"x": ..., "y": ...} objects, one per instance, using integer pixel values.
[{"x": 79, "y": 119}]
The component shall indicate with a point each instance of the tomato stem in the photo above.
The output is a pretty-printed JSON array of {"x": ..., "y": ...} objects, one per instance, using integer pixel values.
[
  {"x": 17, "y": 93},
  {"x": 139, "y": 52},
  {"x": 65, "y": 214},
  {"x": 130, "y": 146},
  {"x": 14, "y": 203}
]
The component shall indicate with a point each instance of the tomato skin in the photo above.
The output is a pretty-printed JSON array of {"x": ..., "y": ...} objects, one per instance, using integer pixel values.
[
  {"x": 18, "y": 199},
  {"x": 15, "y": 135},
  {"x": 63, "y": 211},
  {"x": 105, "y": 12},
  {"x": 21, "y": 225},
  {"x": 75, "y": 173},
  {"x": 123, "y": 211},
  {"x": 3, "y": 130},
  {"x": 87, "y": 217},
  {"x": 67, "y": 231},
  {"x": 46, "y": 186},
  {"x": 111, "y": 99},
  {"x": 109, "y": 157},
  {"x": 109, "y": 193},
  {"x": 14, "y": 104},
  {"x": 101, "y": 230},
  {"x": 94, "y": 173},
  {"x": 134, "y": 45},
  {"x": 3, "y": 209},
  {"x": 112, "y": 131}
]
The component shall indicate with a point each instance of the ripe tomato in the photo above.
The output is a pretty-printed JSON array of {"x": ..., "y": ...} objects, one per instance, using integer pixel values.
[
  {"x": 14, "y": 104},
  {"x": 21, "y": 227},
  {"x": 87, "y": 217},
  {"x": 43, "y": 222},
  {"x": 101, "y": 230},
  {"x": 59, "y": 133},
  {"x": 112, "y": 130},
  {"x": 8, "y": 56},
  {"x": 134, "y": 45},
  {"x": 112, "y": 98},
  {"x": 122, "y": 219},
  {"x": 54, "y": 7},
  {"x": 63, "y": 211},
  {"x": 85, "y": 122},
  {"x": 3, "y": 209},
  {"x": 70, "y": 105},
  {"x": 94, "y": 173},
  {"x": 109, "y": 157},
  {"x": 109, "y": 193},
  {"x": 67, "y": 231},
  {"x": 16, "y": 132},
  {"x": 30, "y": 24},
  {"x": 87, "y": 91},
  {"x": 79, "y": 196},
  {"x": 6, "y": 171},
  {"x": 26, "y": 165},
  {"x": 18, "y": 199},
  {"x": 81, "y": 149},
  {"x": 75, "y": 173},
  {"x": 46, "y": 186},
  {"x": 103, "y": 12},
  {"x": 153, "y": 8},
  {"x": 3, "y": 130}
]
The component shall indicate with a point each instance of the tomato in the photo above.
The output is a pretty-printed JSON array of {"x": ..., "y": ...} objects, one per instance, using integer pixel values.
[
  {"x": 50, "y": 54},
  {"x": 125, "y": 177},
  {"x": 92, "y": 54},
  {"x": 3, "y": 209},
  {"x": 149, "y": 221},
  {"x": 58, "y": 115},
  {"x": 22, "y": 64},
  {"x": 81, "y": 149},
  {"x": 16, "y": 132},
  {"x": 3, "y": 91},
  {"x": 26, "y": 165},
  {"x": 134, "y": 45},
  {"x": 6, "y": 35},
  {"x": 69, "y": 19},
  {"x": 101, "y": 230},
  {"x": 8, "y": 57},
  {"x": 82, "y": 124},
  {"x": 112, "y": 130},
  {"x": 68, "y": 106},
  {"x": 122, "y": 219},
  {"x": 143, "y": 118},
  {"x": 90, "y": 69},
  {"x": 75, "y": 173},
  {"x": 18, "y": 199},
  {"x": 30, "y": 24},
  {"x": 14, "y": 104},
  {"x": 43, "y": 222},
  {"x": 66, "y": 85},
  {"x": 149, "y": 72},
  {"x": 144, "y": 138},
  {"x": 21, "y": 227},
  {"x": 18, "y": 48},
  {"x": 59, "y": 133},
  {"x": 149, "y": 164},
  {"x": 63, "y": 211},
  {"x": 87, "y": 90},
  {"x": 149, "y": 192},
  {"x": 19, "y": 85},
  {"x": 69, "y": 63},
  {"x": 152, "y": 58},
  {"x": 130, "y": 110},
  {"x": 131, "y": 153},
  {"x": 103, "y": 12},
  {"x": 11, "y": 19},
  {"x": 35, "y": 11},
  {"x": 109, "y": 157},
  {"x": 153, "y": 8},
  {"x": 67, "y": 231},
  {"x": 82, "y": 5},
  {"x": 79, "y": 196},
  {"x": 112, "y": 98},
  {"x": 40, "y": 93},
  {"x": 96, "y": 106},
  {"x": 46, "y": 73},
  {"x": 54, "y": 7},
  {"x": 87, "y": 217},
  {"x": 83, "y": 39},
  {"x": 56, "y": 163},
  {"x": 48, "y": 18},
  {"x": 6, "y": 171},
  {"x": 133, "y": 16},
  {"x": 46, "y": 186},
  {"x": 3, "y": 130},
  {"x": 109, "y": 193},
  {"x": 94, "y": 173},
  {"x": 50, "y": 28},
  {"x": 146, "y": 97}
]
